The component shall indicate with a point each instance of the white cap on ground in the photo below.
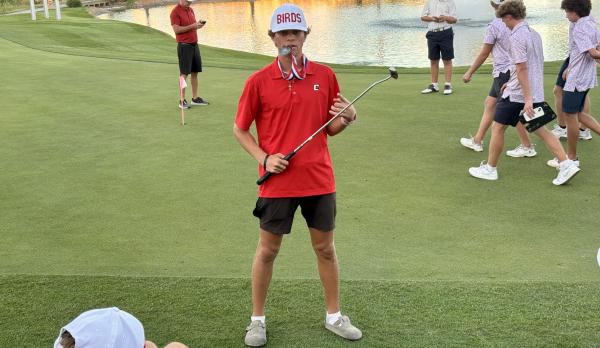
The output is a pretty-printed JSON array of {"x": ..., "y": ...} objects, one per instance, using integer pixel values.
[
  {"x": 105, "y": 328},
  {"x": 288, "y": 17}
]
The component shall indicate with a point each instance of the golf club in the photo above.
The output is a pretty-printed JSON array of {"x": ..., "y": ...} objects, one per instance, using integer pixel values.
[{"x": 393, "y": 74}]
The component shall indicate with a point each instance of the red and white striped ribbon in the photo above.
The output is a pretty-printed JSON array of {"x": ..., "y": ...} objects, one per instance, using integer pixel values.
[{"x": 294, "y": 73}]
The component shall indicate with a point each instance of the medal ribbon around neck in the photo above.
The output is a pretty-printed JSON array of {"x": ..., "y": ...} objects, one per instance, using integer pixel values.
[{"x": 294, "y": 73}]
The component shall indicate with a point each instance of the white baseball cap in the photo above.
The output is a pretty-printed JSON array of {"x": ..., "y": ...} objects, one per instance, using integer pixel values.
[
  {"x": 105, "y": 328},
  {"x": 497, "y": 2},
  {"x": 288, "y": 17}
]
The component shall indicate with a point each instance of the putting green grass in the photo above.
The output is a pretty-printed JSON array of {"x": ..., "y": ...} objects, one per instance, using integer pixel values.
[{"x": 105, "y": 200}]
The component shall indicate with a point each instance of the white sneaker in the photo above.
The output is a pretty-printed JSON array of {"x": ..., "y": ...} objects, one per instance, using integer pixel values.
[
  {"x": 484, "y": 171},
  {"x": 568, "y": 170},
  {"x": 447, "y": 89},
  {"x": 559, "y": 132},
  {"x": 471, "y": 144},
  {"x": 585, "y": 134},
  {"x": 430, "y": 89},
  {"x": 344, "y": 328},
  {"x": 555, "y": 164},
  {"x": 256, "y": 334},
  {"x": 522, "y": 151}
]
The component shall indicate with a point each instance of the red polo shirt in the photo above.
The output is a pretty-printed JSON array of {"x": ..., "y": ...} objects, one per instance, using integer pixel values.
[
  {"x": 286, "y": 113},
  {"x": 183, "y": 16}
]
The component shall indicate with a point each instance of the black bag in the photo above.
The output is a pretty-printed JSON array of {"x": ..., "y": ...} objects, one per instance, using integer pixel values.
[{"x": 543, "y": 115}]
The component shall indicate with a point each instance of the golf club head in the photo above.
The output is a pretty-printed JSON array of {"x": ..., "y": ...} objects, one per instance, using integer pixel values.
[
  {"x": 393, "y": 72},
  {"x": 284, "y": 51}
]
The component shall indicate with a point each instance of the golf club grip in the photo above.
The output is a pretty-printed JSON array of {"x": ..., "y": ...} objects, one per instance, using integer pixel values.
[{"x": 268, "y": 174}]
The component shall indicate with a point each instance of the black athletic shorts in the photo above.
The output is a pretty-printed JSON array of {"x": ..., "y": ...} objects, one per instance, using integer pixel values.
[
  {"x": 277, "y": 214},
  {"x": 573, "y": 102},
  {"x": 496, "y": 89},
  {"x": 440, "y": 42},
  {"x": 189, "y": 58},
  {"x": 507, "y": 112},
  {"x": 559, "y": 80}
]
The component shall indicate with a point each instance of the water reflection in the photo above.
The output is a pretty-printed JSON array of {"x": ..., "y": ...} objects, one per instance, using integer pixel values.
[{"x": 369, "y": 32}]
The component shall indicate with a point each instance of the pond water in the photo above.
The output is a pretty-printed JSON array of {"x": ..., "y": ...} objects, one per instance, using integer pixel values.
[{"x": 376, "y": 32}]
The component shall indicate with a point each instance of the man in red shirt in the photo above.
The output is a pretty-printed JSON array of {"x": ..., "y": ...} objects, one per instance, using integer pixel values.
[
  {"x": 184, "y": 25},
  {"x": 288, "y": 100}
]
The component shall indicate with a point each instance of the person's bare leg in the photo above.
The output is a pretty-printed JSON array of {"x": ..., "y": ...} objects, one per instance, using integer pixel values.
[
  {"x": 587, "y": 109},
  {"x": 558, "y": 97},
  {"x": 523, "y": 135},
  {"x": 182, "y": 92},
  {"x": 448, "y": 70},
  {"x": 174, "y": 345},
  {"x": 489, "y": 106},
  {"x": 262, "y": 269},
  {"x": 435, "y": 70},
  {"x": 552, "y": 143},
  {"x": 150, "y": 344},
  {"x": 324, "y": 248},
  {"x": 194, "y": 81},
  {"x": 572, "y": 134},
  {"x": 496, "y": 143},
  {"x": 590, "y": 122}
]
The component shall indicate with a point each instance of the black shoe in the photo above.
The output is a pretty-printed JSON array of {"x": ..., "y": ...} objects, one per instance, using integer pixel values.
[
  {"x": 184, "y": 104},
  {"x": 199, "y": 101}
]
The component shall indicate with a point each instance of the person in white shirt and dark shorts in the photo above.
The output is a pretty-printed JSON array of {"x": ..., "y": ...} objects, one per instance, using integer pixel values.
[{"x": 440, "y": 15}]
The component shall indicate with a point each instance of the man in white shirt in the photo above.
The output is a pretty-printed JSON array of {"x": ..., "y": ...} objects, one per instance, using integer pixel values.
[{"x": 440, "y": 15}]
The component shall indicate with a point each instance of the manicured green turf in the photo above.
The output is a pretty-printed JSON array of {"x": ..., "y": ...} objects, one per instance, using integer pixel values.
[
  {"x": 213, "y": 312},
  {"x": 100, "y": 181}
]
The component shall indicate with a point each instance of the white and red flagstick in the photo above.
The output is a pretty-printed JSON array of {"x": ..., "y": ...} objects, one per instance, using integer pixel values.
[{"x": 182, "y": 86}]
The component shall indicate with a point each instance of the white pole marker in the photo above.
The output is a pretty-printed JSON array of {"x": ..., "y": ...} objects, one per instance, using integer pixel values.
[{"x": 32, "y": 6}]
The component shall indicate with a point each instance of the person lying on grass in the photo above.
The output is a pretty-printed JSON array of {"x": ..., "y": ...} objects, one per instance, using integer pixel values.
[{"x": 106, "y": 328}]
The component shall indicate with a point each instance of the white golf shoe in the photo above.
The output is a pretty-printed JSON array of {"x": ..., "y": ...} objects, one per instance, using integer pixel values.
[
  {"x": 471, "y": 144},
  {"x": 256, "y": 334},
  {"x": 559, "y": 132},
  {"x": 447, "y": 89},
  {"x": 344, "y": 328},
  {"x": 585, "y": 134},
  {"x": 430, "y": 89},
  {"x": 555, "y": 164},
  {"x": 567, "y": 170},
  {"x": 522, "y": 151},
  {"x": 484, "y": 171}
]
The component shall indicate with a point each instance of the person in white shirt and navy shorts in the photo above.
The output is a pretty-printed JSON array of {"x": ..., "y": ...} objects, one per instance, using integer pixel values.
[{"x": 440, "y": 15}]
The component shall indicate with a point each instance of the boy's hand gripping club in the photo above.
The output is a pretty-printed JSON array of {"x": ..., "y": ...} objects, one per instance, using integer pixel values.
[{"x": 393, "y": 74}]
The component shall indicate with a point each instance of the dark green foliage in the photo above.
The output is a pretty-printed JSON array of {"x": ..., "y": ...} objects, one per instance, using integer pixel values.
[{"x": 74, "y": 3}]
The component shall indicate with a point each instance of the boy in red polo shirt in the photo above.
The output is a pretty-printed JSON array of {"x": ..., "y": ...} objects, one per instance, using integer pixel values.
[
  {"x": 288, "y": 100},
  {"x": 184, "y": 25}
]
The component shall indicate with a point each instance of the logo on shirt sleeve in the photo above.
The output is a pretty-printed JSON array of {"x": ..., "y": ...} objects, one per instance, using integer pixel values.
[{"x": 316, "y": 87}]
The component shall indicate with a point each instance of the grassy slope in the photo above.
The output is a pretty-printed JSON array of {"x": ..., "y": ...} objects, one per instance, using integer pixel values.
[{"x": 104, "y": 182}]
